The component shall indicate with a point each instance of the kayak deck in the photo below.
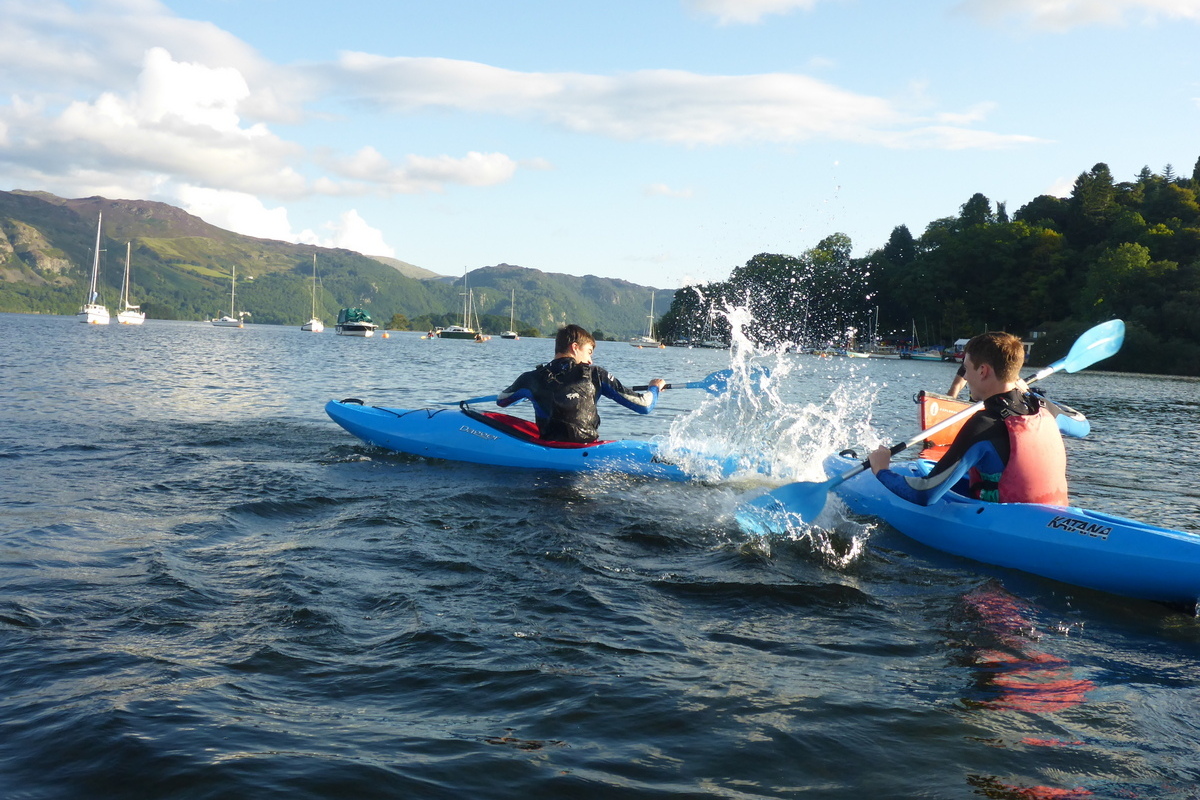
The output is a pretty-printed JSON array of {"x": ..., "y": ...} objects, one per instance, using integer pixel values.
[{"x": 465, "y": 435}]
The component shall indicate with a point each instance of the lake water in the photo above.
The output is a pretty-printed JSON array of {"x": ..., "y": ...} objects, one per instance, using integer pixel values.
[{"x": 209, "y": 590}]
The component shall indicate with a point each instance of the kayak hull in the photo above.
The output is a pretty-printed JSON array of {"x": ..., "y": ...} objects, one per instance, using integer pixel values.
[
  {"x": 454, "y": 435},
  {"x": 1072, "y": 545}
]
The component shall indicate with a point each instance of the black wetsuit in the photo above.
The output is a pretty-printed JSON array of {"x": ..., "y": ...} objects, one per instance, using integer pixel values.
[{"x": 564, "y": 394}]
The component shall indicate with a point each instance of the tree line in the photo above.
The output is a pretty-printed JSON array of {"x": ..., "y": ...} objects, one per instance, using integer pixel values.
[{"x": 1128, "y": 250}]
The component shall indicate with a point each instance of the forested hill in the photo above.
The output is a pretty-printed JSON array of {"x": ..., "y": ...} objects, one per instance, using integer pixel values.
[
  {"x": 1112, "y": 249},
  {"x": 181, "y": 268}
]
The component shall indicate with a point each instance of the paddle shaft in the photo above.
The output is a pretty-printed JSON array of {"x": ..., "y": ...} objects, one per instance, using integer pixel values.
[{"x": 715, "y": 383}]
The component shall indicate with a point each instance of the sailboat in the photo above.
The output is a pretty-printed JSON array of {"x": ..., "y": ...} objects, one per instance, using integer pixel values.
[
  {"x": 465, "y": 331},
  {"x": 314, "y": 325},
  {"x": 233, "y": 319},
  {"x": 94, "y": 313},
  {"x": 129, "y": 315},
  {"x": 512, "y": 310},
  {"x": 648, "y": 340},
  {"x": 915, "y": 352}
]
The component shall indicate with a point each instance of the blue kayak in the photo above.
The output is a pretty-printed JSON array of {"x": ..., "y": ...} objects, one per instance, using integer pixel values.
[
  {"x": 1084, "y": 548},
  {"x": 464, "y": 434}
]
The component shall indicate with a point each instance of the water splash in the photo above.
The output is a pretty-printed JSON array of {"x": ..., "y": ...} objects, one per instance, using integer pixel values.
[
  {"x": 770, "y": 428},
  {"x": 760, "y": 430}
]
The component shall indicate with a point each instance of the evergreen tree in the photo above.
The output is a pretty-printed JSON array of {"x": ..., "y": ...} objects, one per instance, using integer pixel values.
[
  {"x": 901, "y": 248},
  {"x": 976, "y": 211}
]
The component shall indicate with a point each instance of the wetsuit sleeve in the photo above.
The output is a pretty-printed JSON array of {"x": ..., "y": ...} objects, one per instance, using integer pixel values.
[
  {"x": 521, "y": 389},
  {"x": 613, "y": 389},
  {"x": 510, "y": 396},
  {"x": 972, "y": 447}
]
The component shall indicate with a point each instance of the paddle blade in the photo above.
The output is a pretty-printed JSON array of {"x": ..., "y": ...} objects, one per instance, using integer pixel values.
[
  {"x": 774, "y": 511},
  {"x": 718, "y": 382},
  {"x": 1097, "y": 344}
]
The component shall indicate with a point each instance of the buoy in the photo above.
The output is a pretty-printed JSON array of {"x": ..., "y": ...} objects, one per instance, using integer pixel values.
[{"x": 385, "y": 334}]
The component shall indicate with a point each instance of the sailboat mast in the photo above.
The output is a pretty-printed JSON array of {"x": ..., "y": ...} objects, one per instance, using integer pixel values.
[
  {"x": 314, "y": 292},
  {"x": 125, "y": 282},
  {"x": 232, "y": 290},
  {"x": 92, "y": 293}
]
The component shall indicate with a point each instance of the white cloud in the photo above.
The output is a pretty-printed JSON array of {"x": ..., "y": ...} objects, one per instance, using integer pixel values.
[
  {"x": 246, "y": 214},
  {"x": 664, "y": 105},
  {"x": 234, "y": 211},
  {"x": 368, "y": 167},
  {"x": 1060, "y": 15},
  {"x": 745, "y": 11},
  {"x": 1062, "y": 187},
  {"x": 181, "y": 121},
  {"x": 352, "y": 232}
]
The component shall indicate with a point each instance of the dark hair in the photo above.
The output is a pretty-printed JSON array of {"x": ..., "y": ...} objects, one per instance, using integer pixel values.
[
  {"x": 1002, "y": 351},
  {"x": 569, "y": 335}
]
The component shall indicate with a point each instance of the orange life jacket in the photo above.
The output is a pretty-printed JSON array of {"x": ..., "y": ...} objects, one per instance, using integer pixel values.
[{"x": 1037, "y": 463}]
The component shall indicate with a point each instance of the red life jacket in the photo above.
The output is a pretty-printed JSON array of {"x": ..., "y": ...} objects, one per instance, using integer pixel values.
[{"x": 1037, "y": 463}]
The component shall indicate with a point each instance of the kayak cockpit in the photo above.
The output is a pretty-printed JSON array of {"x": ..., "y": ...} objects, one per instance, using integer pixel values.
[{"x": 521, "y": 429}]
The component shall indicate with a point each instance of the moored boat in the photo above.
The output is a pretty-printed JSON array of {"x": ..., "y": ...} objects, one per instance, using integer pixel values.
[
  {"x": 314, "y": 324},
  {"x": 464, "y": 434},
  {"x": 512, "y": 312},
  {"x": 355, "y": 322},
  {"x": 233, "y": 319},
  {"x": 129, "y": 314},
  {"x": 1073, "y": 545},
  {"x": 92, "y": 312},
  {"x": 648, "y": 339},
  {"x": 469, "y": 318}
]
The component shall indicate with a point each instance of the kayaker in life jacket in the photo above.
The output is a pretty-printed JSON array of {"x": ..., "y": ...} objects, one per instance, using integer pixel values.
[
  {"x": 564, "y": 392},
  {"x": 1010, "y": 452}
]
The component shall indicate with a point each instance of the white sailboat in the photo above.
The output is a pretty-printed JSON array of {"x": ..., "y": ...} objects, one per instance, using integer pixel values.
[
  {"x": 314, "y": 325},
  {"x": 648, "y": 340},
  {"x": 94, "y": 313},
  {"x": 234, "y": 318},
  {"x": 512, "y": 310},
  {"x": 129, "y": 315},
  {"x": 465, "y": 331}
]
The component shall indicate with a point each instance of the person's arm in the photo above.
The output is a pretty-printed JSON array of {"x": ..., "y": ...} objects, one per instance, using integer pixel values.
[
  {"x": 641, "y": 402},
  {"x": 970, "y": 448},
  {"x": 520, "y": 390},
  {"x": 960, "y": 380}
]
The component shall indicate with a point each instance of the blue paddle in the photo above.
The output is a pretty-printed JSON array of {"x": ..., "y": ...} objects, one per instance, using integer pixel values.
[
  {"x": 714, "y": 384},
  {"x": 806, "y": 500}
]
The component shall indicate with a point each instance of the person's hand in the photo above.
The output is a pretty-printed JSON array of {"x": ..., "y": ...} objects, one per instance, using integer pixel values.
[
  {"x": 881, "y": 458},
  {"x": 659, "y": 382}
]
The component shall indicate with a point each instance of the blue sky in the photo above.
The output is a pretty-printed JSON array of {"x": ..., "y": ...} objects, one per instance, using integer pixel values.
[{"x": 660, "y": 141}]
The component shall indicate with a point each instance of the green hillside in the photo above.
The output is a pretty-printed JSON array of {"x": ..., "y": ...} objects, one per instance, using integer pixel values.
[{"x": 181, "y": 269}]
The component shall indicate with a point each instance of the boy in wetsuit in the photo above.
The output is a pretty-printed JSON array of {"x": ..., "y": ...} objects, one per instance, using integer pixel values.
[
  {"x": 564, "y": 392},
  {"x": 1010, "y": 452}
]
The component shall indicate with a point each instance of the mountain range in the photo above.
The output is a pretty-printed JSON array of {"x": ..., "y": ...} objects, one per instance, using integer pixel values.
[{"x": 181, "y": 269}]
